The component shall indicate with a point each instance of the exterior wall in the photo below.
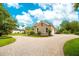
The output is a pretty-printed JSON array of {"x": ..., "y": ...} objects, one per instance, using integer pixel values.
[
  {"x": 42, "y": 29},
  {"x": 53, "y": 31}
]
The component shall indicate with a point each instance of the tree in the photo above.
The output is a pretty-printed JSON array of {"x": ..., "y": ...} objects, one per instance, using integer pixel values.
[
  {"x": 76, "y": 5},
  {"x": 76, "y": 8},
  {"x": 69, "y": 27},
  {"x": 74, "y": 26},
  {"x": 6, "y": 22},
  {"x": 64, "y": 25},
  {"x": 8, "y": 25}
]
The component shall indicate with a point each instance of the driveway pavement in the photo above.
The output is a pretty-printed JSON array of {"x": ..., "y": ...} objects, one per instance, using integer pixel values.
[{"x": 30, "y": 46}]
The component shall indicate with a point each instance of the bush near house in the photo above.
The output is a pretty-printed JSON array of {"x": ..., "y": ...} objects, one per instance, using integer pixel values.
[
  {"x": 49, "y": 32},
  {"x": 39, "y": 33},
  {"x": 31, "y": 33},
  {"x": 71, "y": 47}
]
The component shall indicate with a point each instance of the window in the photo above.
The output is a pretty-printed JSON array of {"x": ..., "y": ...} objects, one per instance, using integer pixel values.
[{"x": 46, "y": 29}]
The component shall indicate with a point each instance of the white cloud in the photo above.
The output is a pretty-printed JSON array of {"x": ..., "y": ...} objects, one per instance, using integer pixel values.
[
  {"x": 56, "y": 12},
  {"x": 57, "y": 22},
  {"x": 46, "y": 5},
  {"x": 48, "y": 14},
  {"x": 15, "y": 5},
  {"x": 25, "y": 19},
  {"x": 73, "y": 16},
  {"x": 41, "y": 15},
  {"x": 37, "y": 13}
]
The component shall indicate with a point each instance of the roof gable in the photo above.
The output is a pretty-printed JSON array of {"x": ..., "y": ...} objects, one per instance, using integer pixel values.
[{"x": 48, "y": 24}]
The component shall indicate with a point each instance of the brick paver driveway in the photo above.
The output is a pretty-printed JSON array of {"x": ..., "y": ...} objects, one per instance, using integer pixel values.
[{"x": 47, "y": 46}]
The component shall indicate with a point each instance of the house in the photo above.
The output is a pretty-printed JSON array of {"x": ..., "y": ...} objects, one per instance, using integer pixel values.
[
  {"x": 18, "y": 31},
  {"x": 43, "y": 28}
]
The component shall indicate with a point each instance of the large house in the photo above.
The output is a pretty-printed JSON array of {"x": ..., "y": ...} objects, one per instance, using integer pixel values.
[{"x": 43, "y": 28}]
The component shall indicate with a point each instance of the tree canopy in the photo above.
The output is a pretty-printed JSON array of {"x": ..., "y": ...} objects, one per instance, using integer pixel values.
[
  {"x": 7, "y": 23},
  {"x": 76, "y": 5},
  {"x": 69, "y": 27}
]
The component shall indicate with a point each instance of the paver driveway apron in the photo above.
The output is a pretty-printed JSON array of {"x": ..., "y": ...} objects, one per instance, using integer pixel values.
[{"x": 25, "y": 46}]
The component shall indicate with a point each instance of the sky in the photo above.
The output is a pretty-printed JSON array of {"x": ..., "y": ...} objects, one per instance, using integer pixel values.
[{"x": 27, "y": 14}]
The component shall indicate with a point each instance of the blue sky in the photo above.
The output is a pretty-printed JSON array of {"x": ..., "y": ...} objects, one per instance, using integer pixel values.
[{"x": 28, "y": 14}]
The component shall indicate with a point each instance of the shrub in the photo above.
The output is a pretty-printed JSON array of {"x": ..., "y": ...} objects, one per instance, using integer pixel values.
[
  {"x": 66, "y": 32},
  {"x": 24, "y": 32},
  {"x": 31, "y": 33},
  {"x": 58, "y": 32},
  {"x": 49, "y": 32},
  {"x": 39, "y": 33},
  {"x": 77, "y": 33}
]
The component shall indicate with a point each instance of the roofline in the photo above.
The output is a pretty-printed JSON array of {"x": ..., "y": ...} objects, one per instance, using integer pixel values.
[
  {"x": 42, "y": 22},
  {"x": 46, "y": 24}
]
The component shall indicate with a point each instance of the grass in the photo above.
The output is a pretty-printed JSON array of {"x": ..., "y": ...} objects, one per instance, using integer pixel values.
[
  {"x": 17, "y": 34},
  {"x": 5, "y": 40},
  {"x": 71, "y": 47},
  {"x": 21, "y": 34}
]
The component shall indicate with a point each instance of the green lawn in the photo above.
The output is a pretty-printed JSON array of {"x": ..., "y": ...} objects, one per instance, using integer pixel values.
[
  {"x": 17, "y": 34},
  {"x": 71, "y": 47},
  {"x": 5, "y": 40},
  {"x": 20, "y": 34}
]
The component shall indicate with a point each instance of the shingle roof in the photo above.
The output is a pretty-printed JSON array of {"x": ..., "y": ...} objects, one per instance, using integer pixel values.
[{"x": 47, "y": 23}]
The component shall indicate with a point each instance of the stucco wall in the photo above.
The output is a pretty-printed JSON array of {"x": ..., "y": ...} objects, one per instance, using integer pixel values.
[{"x": 42, "y": 29}]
